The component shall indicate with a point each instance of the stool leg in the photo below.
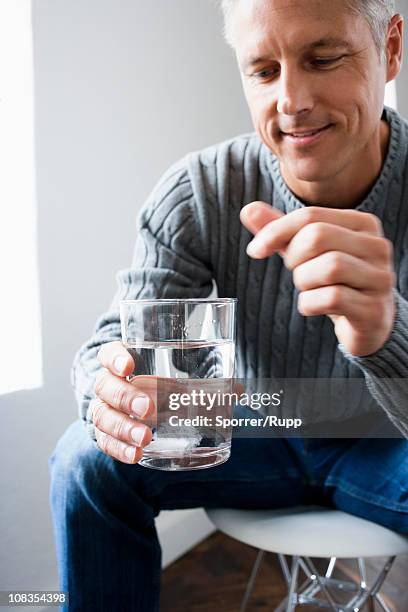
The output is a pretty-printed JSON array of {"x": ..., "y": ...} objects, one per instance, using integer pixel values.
[
  {"x": 284, "y": 568},
  {"x": 323, "y": 587},
  {"x": 363, "y": 572},
  {"x": 306, "y": 570},
  {"x": 292, "y": 595},
  {"x": 288, "y": 578},
  {"x": 330, "y": 567},
  {"x": 372, "y": 593},
  {"x": 251, "y": 581},
  {"x": 382, "y": 603},
  {"x": 382, "y": 576}
]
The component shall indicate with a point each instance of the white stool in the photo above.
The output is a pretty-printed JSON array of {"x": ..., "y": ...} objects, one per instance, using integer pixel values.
[{"x": 314, "y": 531}]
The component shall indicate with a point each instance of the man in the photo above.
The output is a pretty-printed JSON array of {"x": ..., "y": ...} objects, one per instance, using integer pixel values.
[{"x": 322, "y": 289}]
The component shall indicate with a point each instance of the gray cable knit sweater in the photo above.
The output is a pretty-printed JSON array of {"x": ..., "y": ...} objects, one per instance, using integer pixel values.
[{"x": 190, "y": 233}]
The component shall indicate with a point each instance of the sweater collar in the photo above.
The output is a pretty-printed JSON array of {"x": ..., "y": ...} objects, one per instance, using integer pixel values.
[{"x": 389, "y": 178}]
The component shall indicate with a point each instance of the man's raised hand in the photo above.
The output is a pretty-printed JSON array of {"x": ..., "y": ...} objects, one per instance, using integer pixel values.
[{"x": 342, "y": 266}]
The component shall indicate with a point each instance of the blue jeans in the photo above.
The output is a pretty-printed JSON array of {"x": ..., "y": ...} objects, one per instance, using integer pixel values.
[{"x": 103, "y": 510}]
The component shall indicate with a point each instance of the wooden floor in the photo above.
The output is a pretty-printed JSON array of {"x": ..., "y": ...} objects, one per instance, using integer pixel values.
[{"x": 212, "y": 578}]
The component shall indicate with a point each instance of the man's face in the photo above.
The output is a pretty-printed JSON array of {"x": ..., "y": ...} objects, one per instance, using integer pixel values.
[{"x": 308, "y": 65}]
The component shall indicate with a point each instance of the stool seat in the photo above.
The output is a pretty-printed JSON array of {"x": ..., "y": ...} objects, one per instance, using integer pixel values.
[{"x": 312, "y": 531}]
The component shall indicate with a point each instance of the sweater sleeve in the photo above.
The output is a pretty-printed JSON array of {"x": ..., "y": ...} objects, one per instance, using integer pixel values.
[
  {"x": 386, "y": 371},
  {"x": 170, "y": 260}
]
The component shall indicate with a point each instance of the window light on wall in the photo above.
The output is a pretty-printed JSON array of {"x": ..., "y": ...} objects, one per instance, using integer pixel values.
[{"x": 20, "y": 331}]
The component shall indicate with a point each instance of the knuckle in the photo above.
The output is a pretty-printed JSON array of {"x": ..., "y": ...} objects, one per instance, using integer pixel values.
[
  {"x": 373, "y": 223},
  {"x": 120, "y": 429},
  {"x": 121, "y": 397},
  {"x": 388, "y": 280},
  {"x": 102, "y": 440},
  {"x": 310, "y": 214},
  {"x": 98, "y": 413},
  {"x": 302, "y": 277},
  {"x": 334, "y": 297},
  {"x": 384, "y": 249},
  {"x": 99, "y": 382},
  {"x": 388, "y": 249},
  {"x": 115, "y": 447},
  {"x": 334, "y": 267},
  {"x": 315, "y": 235}
]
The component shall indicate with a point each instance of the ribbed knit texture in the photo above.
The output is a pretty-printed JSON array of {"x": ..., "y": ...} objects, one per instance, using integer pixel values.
[{"x": 189, "y": 233}]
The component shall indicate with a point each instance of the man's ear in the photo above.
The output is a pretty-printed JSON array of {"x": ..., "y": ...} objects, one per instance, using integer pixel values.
[{"x": 394, "y": 47}]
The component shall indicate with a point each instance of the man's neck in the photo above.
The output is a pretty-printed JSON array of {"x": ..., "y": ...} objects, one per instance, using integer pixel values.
[{"x": 352, "y": 186}]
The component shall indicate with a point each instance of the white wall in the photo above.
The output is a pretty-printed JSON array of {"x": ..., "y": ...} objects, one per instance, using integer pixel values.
[{"x": 122, "y": 90}]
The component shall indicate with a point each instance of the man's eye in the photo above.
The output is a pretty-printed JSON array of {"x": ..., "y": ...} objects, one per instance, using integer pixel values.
[
  {"x": 264, "y": 74},
  {"x": 327, "y": 61}
]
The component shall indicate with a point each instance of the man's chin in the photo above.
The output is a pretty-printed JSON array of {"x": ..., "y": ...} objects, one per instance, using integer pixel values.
[{"x": 308, "y": 170}]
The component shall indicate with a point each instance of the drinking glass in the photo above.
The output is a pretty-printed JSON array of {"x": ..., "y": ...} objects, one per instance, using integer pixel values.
[{"x": 184, "y": 354}]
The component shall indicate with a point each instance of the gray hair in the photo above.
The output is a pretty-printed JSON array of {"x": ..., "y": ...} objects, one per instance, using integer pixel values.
[{"x": 377, "y": 13}]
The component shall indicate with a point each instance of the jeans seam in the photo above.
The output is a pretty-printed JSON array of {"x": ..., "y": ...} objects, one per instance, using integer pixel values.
[{"x": 377, "y": 500}]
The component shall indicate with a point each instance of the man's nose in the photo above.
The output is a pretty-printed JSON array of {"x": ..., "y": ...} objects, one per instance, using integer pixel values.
[{"x": 295, "y": 95}]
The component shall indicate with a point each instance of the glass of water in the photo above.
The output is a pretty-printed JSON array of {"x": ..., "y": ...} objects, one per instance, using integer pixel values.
[{"x": 184, "y": 354}]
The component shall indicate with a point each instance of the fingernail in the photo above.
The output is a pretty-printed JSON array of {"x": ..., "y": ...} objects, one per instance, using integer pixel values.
[
  {"x": 253, "y": 248},
  {"x": 137, "y": 435},
  {"x": 120, "y": 363},
  {"x": 130, "y": 452},
  {"x": 140, "y": 405}
]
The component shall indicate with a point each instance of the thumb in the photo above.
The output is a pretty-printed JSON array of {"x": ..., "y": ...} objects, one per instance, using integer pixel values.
[
  {"x": 257, "y": 214},
  {"x": 116, "y": 358}
]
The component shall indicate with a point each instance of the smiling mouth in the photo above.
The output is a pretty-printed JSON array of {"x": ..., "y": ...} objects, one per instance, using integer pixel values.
[
  {"x": 302, "y": 139},
  {"x": 306, "y": 134}
]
